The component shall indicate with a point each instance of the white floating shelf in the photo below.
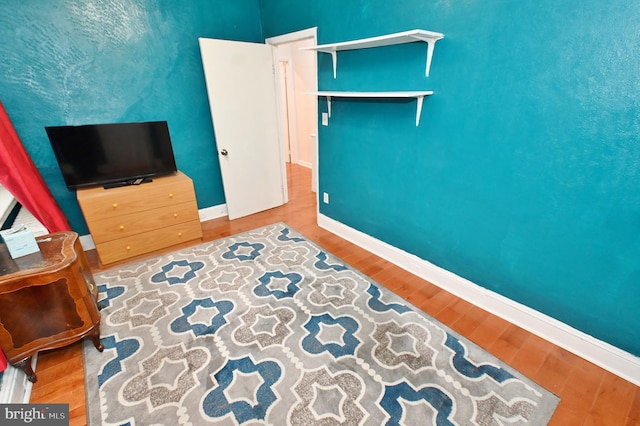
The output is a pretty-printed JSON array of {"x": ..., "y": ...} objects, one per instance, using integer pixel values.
[
  {"x": 428, "y": 37},
  {"x": 418, "y": 95}
]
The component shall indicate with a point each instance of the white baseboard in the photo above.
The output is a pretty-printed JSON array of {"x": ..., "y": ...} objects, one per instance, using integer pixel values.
[
  {"x": 213, "y": 212},
  {"x": 87, "y": 242},
  {"x": 205, "y": 214},
  {"x": 16, "y": 388},
  {"x": 603, "y": 354}
]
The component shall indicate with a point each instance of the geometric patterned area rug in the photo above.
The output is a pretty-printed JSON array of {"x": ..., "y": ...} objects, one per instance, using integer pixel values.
[{"x": 265, "y": 327}]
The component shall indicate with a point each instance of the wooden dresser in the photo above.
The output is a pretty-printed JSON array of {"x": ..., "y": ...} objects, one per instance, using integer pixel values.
[
  {"x": 132, "y": 220},
  {"x": 47, "y": 300}
]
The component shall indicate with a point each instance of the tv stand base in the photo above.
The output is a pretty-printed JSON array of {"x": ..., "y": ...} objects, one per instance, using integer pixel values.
[{"x": 127, "y": 183}]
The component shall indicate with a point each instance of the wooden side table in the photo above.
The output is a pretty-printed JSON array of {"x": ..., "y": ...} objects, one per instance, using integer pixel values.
[{"x": 47, "y": 300}]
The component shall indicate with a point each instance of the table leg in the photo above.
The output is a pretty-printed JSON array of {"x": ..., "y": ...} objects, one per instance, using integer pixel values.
[
  {"x": 95, "y": 338},
  {"x": 25, "y": 365}
]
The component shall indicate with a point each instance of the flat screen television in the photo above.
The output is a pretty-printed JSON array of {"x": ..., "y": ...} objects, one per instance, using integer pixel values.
[{"x": 112, "y": 154}]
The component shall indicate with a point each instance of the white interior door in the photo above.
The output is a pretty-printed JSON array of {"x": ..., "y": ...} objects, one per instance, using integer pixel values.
[{"x": 242, "y": 90}]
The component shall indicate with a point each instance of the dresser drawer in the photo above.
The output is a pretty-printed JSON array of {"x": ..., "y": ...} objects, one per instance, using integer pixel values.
[
  {"x": 123, "y": 248},
  {"x": 99, "y": 203},
  {"x": 124, "y": 226}
]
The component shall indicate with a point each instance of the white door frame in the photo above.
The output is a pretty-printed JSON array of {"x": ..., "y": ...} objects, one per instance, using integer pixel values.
[
  {"x": 310, "y": 33},
  {"x": 288, "y": 91}
]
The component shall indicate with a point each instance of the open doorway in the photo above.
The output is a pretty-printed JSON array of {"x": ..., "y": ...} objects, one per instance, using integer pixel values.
[{"x": 298, "y": 77}]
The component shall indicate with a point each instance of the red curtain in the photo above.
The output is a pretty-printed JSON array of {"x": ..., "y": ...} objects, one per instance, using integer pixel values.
[{"x": 19, "y": 175}]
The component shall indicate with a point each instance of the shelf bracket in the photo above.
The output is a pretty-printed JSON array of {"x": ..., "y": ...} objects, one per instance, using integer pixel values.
[
  {"x": 334, "y": 57},
  {"x": 419, "y": 100},
  {"x": 431, "y": 44}
]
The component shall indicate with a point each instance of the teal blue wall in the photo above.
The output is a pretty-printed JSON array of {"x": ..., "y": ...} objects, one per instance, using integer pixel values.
[
  {"x": 524, "y": 175},
  {"x": 101, "y": 61}
]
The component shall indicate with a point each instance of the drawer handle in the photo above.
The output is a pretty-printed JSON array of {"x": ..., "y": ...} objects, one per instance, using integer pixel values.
[
  {"x": 128, "y": 248},
  {"x": 122, "y": 227},
  {"x": 179, "y": 234},
  {"x": 170, "y": 195},
  {"x": 115, "y": 205},
  {"x": 175, "y": 215}
]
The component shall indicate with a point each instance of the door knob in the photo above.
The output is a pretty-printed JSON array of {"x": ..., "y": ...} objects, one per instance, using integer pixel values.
[{"x": 224, "y": 152}]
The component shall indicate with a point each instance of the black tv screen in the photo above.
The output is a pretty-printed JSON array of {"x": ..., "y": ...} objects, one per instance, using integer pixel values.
[{"x": 112, "y": 154}]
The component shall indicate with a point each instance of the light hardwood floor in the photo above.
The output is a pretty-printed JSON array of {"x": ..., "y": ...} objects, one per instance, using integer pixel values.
[{"x": 589, "y": 395}]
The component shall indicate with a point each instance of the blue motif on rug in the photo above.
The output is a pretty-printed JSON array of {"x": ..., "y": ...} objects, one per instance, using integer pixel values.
[
  {"x": 110, "y": 293},
  {"x": 182, "y": 324},
  {"x": 284, "y": 236},
  {"x": 466, "y": 368},
  {"x": 441, "y": 402},
  {"x": 190, "y": 274},
  {"x": 313, "y": 344},
  {"x": 323, "y": 265},
  {"x": 292, "y": 287},
  {"x": 124, "y": 349},
  {"x": 216, "y": 403},
  {"x": 377, "y": 305},
  {"x": 243, "y": 251}
]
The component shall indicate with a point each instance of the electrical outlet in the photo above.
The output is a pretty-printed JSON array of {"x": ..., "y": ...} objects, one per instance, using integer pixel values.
[
  {"x": 325, "y": 197},
  {"x": 325, "y": 119}
]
